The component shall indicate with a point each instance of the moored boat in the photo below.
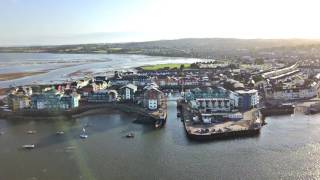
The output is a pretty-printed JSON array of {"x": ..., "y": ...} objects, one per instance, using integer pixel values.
[
  {"x": 83, "y": 135},
  {"x": 59, "y": 132},
  {"x": 28, "y": 146},
  {"x": 31, "y": 132},
  {"x": 130, "y": 135}
]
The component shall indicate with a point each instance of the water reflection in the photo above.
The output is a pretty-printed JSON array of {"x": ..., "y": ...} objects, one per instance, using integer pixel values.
[{"x": 286, "y": 148}]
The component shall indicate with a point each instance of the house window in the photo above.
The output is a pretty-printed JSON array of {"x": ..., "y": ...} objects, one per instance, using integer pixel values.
[
  {"x": 153, "y": 104},
  {"x": 127, "y": 93}
]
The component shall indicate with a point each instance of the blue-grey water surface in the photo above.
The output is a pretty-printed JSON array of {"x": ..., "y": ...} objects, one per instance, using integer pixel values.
[
  {"x": 61, "y": 67},
  {"x": 287, "y": 148}
]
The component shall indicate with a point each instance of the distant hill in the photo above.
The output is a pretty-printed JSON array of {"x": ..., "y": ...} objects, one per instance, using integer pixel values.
[{"x": 193, "y": 47}]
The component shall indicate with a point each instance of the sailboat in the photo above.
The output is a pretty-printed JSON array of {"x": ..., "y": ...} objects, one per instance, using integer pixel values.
[
  {"x": 83, "y": 135},
  {"x": 28, "y": 146}
]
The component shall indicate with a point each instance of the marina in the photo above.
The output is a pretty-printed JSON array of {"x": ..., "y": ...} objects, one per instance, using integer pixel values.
[{"x": 282, "y": 144}]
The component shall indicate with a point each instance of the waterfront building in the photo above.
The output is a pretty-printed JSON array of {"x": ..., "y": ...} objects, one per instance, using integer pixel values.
[
  {"x": 152, "y": 97},
  {"x": 18, "y": 101},
  {"x": 98, "y": 96},
  {"x": 292, "y": 93},
  {"x": 54, "y": 100},
  {"x": 127, "y": 92},
  {"x": 19, "y": 98},
  {"x": 247, "y": 99},
  {"x": 209, "y": 100},
  {"x": 88, "y": 89},
  {"x": 103, "y": 96},
  {"x": 69, "y": 101},
  {"x": 47, "y": 100}
]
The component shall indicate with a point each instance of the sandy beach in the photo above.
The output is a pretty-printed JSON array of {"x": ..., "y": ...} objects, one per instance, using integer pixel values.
[{"x": 11, "y": 76}]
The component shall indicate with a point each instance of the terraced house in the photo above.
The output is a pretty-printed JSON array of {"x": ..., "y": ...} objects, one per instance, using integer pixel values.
[
  {"x": 19, "y": 98},
  {"x": 54, "y": 100},
  {"x": 209, "y": 99}
]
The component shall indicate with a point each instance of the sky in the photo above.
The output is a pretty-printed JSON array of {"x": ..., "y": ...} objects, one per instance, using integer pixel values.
[{"x": 45, "y": 22}]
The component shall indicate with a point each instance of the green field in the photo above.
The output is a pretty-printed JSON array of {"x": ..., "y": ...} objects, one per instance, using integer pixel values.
[{"x": 164, "y": 66}]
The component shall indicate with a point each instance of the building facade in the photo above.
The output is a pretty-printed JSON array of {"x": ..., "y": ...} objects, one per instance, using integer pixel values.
[
  {"x": 152, "y": 97},
  {"x": 127, "y": 92},
  {"x": 209, "y": 99},
  {"x": 54, "y": 100},
  {"x": 247, "y": 99}
]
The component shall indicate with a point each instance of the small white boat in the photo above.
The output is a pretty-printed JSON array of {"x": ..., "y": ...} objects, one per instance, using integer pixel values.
[
  {"x": 28, "y": 146},
  {"x": 83, "y": 135},
  {"x": 130, "y": 135},
  {"x": 59, "y": 132},
  {"x": 31, "y": 132}
]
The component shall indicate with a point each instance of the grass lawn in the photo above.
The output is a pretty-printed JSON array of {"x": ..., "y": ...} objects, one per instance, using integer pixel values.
[{"x": 164, "y": 66}]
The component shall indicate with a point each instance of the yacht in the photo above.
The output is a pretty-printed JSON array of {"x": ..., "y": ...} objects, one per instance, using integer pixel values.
[
  {"x": 31, "y": 132},
  {"x": 130, "y": 135},
  {"x": 83, "y": 135},
  {"x": 59, "y": 132},
  {"x": 28, "y": 146}
]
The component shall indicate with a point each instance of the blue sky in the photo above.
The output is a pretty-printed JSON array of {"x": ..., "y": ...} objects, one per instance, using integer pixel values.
[
  {"x": 30, "y": 22},
  {"x": 63, "y": 16}
]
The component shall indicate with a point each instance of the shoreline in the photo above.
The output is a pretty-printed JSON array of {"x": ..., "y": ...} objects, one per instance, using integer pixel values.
[
  {"x": 3, "y": 91},
  {"x": 18, "y": 75},
  {"x": 83, "y": 111}
]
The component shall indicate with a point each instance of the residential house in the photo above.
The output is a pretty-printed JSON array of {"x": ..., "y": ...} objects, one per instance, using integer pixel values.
[
  {"x": 100, "y": 96},
  {"x": 209, "y": 100},
  {"x": 54, "y": 100},
  {"x": 248, "y": 99},
  {"x": 47, "y": 100},
  {"x": 19, "y": 98},
  {"x": 152, "y": 97},
  {"x": 69, "y": 101},
  {"x": 127, "y": 92},
  {"x": 103, "y": 96}
]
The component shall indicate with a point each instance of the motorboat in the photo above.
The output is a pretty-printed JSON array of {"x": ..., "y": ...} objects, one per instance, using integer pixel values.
[
  {"x": 59, "y": 132},
  {"x": 31, "y": 132},
  {"x": 83, "y": 135},
  {"x": 130, "y": 135},
  {"x": 28, "y": 146}
]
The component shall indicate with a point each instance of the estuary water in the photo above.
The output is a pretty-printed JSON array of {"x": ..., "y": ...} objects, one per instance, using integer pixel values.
[
  {"x": 287, "y": 148},
  {"x": 62, "y": 67}
]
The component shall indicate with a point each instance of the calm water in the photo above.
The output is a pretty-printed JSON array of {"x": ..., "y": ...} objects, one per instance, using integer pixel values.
[{"x": 288, "y": 148}]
